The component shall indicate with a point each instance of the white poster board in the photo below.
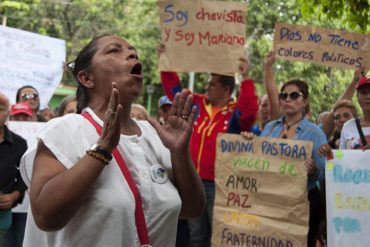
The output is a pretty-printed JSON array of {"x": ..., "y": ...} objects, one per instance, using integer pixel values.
[
  {"x": 348, "y": 198},
  {"x": 27, "y": 130},
  {"x": 30, "y": 59}
]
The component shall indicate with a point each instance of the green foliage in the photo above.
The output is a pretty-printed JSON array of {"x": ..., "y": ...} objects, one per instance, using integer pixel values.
[
  {"x": 13, "y": 5},
  {"x": 354, "y": 14},
  {"x": 77, "y": 21}
]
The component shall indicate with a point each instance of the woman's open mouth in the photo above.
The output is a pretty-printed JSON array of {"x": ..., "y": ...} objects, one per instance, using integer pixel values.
[{"x": 137, "y": 71}]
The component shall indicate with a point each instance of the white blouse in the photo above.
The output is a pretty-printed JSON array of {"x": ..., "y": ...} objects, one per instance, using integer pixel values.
[
  {"x": 350, "y": 138},
  {"x": 107, "y": 216}
]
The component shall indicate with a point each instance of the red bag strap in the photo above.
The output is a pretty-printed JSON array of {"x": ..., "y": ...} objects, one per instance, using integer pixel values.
[{"x": 142, "y": 231}]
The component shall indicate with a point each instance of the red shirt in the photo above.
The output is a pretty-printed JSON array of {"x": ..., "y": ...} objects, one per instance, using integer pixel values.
[{"x": 232, "y": 118}]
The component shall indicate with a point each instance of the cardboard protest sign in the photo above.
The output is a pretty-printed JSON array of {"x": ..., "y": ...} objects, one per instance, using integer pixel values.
[
  {"x": 202, "y": 36},
  {"x": 30, "y": 59},
  {"x": 327, "y": 47},
  {"x": 261, "y": 192},
  {"x": 348, "y": 198}
]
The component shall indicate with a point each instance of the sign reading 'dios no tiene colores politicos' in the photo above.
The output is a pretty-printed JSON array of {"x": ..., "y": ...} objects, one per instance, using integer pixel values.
[
  {"x": 202, "y": 36},
  {"x": 327, "y": 47}
]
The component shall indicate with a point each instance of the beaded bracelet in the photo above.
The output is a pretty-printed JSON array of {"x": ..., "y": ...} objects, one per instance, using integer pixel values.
[{"x": 97, "y": 156}]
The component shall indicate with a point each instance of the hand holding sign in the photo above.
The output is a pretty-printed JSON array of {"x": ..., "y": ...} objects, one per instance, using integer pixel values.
[
  {"x": 311, "y": 167},
  {"x": 160, "y": 49},
  {"x": 359, "y": 72},
  {"x": 270, "y": 59},
  {"x": 244, "y": 68}
]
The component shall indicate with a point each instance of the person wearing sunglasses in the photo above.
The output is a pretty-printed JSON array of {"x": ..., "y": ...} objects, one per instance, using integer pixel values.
[
  {"x": 30, "y": 95},
  {"x": 293, "y": 101}
]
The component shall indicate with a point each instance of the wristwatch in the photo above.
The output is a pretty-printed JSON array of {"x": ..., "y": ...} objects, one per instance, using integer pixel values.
[{"x": 98, "y": 153}]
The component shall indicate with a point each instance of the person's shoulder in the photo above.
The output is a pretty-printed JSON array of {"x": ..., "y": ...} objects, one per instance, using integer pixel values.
[
  {"x": 71, "y": 120},
  {"x": 18, "y": 139},
  {"x": 232, "y": 105},
  {"x": 314, "y": 128},
  {"x": 198, "y": 97},
  {"x": 348, "y": 128},
  {"x": 267, "y": 130},
  {"x": 350, "y": 123},
  {"x": 148, "y": 132},
  {"x": 272, "y": 123}
]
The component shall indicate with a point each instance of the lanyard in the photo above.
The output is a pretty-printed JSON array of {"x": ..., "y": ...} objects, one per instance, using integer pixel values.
[{"x": 139, "y": 213}]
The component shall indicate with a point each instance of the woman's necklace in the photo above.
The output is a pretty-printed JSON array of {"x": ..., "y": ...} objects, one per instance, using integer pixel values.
[{"x": 288, "y": 126}]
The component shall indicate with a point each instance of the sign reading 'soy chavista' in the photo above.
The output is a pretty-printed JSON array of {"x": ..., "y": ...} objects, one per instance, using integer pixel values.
[
  {"x": 261, "y": 192},
  {"x": 327, "y": 47},
  {"x": 202, "y": 36}
]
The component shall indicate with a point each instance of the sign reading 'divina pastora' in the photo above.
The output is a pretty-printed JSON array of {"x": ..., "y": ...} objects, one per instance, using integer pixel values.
[{"x": 261, "y": 192}]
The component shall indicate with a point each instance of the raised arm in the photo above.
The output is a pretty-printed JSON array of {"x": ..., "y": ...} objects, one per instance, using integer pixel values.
[
  {"x": 170, "y": 80},
  {"x": 171, "y": 84},
  {"x": 270, "y": 85},
  {"x": 247, "y": 100},
  {"x": 328, "y": 125}
]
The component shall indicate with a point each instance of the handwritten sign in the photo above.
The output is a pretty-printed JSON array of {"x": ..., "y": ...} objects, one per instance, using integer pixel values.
[
  {"x": 261, "y": 192},
  {"x": 348, "y": 198},
  {"x": 27, "y": 130},
  {"x": 327, "y": 47},
  {"x": 202, "y": 36},
  {"x": 30, "y": 59}
]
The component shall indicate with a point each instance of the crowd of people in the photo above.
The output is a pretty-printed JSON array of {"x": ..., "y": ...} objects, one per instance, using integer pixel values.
[
  {"x": 13, "y": 146},
  {"x": 104, "y": 173}
]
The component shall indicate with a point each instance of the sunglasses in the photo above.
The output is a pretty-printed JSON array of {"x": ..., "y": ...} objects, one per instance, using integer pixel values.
[
  {"x": 292, "y": 95},
  {"x": 29, "y": 96}
]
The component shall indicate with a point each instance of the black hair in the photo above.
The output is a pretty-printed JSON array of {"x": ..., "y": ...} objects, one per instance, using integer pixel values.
[
  {"x": 83, "y": 62},
  {"x": 18, "y": 95},
  {"x": 303, "y": 88},
  {"x": 302, "y": 85},
  {"x": 227, "y": 81}
]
